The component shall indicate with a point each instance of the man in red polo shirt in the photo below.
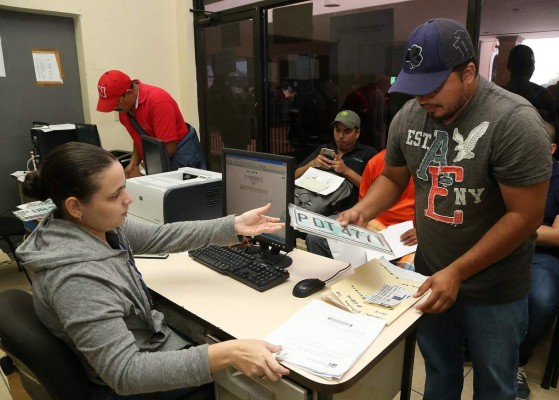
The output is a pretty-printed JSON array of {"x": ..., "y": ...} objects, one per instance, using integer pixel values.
[{"x": 152, "y": 110}]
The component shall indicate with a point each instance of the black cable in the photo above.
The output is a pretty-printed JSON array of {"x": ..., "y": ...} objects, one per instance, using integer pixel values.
[{"x": 341, "y": 270}]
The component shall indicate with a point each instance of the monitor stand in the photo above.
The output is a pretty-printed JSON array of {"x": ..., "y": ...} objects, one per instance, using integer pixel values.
[{"x": 272, "y": 256}]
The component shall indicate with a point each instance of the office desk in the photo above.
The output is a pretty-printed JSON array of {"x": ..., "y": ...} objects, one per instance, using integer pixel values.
[{"x": 227, "y": 309}]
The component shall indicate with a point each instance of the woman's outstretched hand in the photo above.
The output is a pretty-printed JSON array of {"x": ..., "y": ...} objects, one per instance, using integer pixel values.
[{"x": 255, "y": 222}]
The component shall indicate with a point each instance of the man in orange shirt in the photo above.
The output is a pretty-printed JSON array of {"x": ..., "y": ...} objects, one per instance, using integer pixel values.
[{"x": 402, "y": 210}]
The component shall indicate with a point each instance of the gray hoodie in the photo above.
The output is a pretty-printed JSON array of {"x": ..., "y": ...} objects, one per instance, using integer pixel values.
[{"x": 89, "y": 295}]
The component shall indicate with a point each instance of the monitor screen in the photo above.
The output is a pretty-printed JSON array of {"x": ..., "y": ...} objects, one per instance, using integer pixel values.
[
  {"x": 252, "y": 180},
  {"x": 88, "y": 133},
  {"x": 156, "y": 159}
]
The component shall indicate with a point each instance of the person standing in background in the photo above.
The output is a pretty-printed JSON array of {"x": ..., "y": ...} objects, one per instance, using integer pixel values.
[
  {"x": 521, "y": 65},
  {"x": 146, "y": 109},
  {"x": 480, "y": 189}
]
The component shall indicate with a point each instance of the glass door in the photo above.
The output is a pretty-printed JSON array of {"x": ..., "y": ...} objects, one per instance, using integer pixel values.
[
  {"x": 276, "y": 72},
  {"x": 229, "y": 98}
]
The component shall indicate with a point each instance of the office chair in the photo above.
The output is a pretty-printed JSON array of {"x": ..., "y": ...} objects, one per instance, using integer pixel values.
[
  {"x": 12, "y": 227},
  {"x": 551, "y": 374},
  {"x": 49, "y": 370},
  {"x": 156, "y": 159}
]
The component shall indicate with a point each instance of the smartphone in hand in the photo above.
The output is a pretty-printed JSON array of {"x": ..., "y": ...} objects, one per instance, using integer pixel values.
[{"x": 328, "y": 153}]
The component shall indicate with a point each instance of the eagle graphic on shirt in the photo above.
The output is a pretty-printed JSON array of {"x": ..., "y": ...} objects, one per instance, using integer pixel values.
[{"x": 465, "y": 148}]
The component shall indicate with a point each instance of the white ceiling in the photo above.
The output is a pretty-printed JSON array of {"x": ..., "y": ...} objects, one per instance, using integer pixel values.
[{"x": 527, "y": 18}]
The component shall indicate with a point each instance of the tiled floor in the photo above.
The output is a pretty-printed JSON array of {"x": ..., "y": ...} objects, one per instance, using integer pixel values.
[{"x": 11, "y": 278}]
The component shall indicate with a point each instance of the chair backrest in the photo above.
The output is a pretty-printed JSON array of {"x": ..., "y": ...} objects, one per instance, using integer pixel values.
[
  {"x": 156, "y": 159},
  {"x": 34, "y": 348}
]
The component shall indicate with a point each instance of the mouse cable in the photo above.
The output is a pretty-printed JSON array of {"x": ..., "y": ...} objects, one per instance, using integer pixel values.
[{"x": 341, "y": 270}]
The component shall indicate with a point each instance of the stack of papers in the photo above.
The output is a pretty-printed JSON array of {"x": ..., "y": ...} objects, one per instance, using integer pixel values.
[
  {"x": 324, "y": 339},
  {"x": 377, "y": 289},
  {"x": 34, "y": 210}
]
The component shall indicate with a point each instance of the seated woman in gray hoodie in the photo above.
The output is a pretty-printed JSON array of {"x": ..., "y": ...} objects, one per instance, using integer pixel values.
[{"x": 88, "y": 292}]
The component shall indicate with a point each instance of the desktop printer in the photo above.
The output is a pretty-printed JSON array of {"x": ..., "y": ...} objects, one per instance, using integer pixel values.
[{"x": 186, "y": 194}]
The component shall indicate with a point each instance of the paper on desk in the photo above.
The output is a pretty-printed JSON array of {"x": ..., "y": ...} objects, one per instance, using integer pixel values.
[
  {"x": 58, "y": 127},
  {"x": 319, "y": 181},
  {"x": 325, "y": 340},
  {"x": 19, "y": 175},
  {"x": 368, "y": 279}
]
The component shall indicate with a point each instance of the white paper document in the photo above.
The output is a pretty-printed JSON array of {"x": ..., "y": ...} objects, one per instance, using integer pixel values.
[
  {"x": 319, "y": 181},
  {"x": 46, "y": 67},
  {"x": 392, "y": 235},
  {"x": 2, "y": 66},
  {"x": 325, "y": 340},
  {"x": 19, "y": 175}
]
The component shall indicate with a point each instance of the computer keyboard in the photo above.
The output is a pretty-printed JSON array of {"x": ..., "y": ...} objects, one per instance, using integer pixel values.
[{"x": 241, "y": 266}]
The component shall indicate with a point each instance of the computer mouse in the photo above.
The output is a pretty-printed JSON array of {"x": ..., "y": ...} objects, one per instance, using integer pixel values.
[{"x": 306, "y": 287}]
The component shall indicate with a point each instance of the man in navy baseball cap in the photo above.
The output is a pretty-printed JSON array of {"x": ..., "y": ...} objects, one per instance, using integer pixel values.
[
  {"x": 432, "y": 50},
  {"x": 480, "y": 162}
]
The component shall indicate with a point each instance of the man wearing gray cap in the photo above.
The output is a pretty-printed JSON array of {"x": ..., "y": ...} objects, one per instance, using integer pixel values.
[
  {"x": 346, "y": 157},
  {"x": 480, "y": 161}
]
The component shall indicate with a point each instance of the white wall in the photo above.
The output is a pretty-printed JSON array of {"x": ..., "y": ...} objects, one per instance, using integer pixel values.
[{"x": 149, "y": 40}]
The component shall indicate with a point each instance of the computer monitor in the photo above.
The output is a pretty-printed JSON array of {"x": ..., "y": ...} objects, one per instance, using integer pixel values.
[
  {"x": 46, "y": 137},
  {"x": 88, "y": 133},
  {"x": 252, "y": 180},
  {"x": 156, "y": 159}
]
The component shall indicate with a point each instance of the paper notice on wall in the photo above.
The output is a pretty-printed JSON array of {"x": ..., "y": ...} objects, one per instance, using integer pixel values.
[
  {"x": 2, "y": 67},
  {"x": 47, "y": 67}
]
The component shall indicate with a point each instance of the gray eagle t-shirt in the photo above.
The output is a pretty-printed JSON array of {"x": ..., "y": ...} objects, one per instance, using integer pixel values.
[{"x": 457, "y": 168}]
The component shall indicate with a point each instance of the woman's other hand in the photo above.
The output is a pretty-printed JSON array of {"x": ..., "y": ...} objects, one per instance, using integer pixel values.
[{"x": 252, "y": 357}]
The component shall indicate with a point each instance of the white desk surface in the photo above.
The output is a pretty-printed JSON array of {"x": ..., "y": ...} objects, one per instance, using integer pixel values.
[{"x": 245, "y": 313}]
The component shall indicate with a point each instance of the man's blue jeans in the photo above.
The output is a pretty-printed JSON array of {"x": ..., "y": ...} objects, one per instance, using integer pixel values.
[
  {"x": 542, "y": 302},
  {"x": 493, "y": 332}
]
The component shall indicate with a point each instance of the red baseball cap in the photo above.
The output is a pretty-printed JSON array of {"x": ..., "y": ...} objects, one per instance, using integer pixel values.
[{"x": 111, "y": 86}]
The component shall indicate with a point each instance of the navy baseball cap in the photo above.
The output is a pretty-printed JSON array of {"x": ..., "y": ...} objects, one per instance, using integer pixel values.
[{"x": 431, "y": 51}]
